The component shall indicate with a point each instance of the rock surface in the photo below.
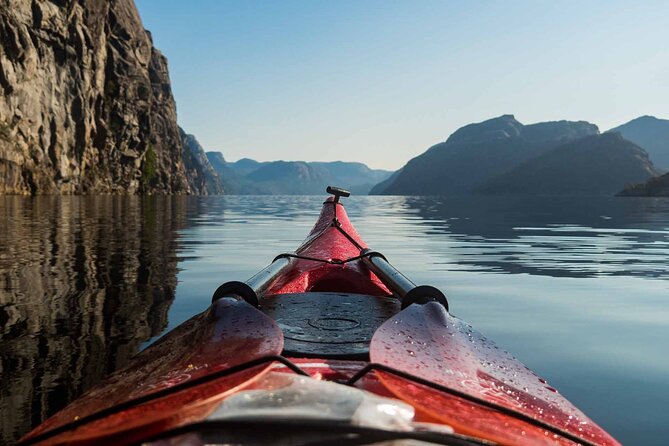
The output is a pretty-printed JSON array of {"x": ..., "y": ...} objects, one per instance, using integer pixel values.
[
  {"x": 654, "y": 187},
  {"x": 478, "y": 152},
  {"x": 651, "y": 134},
  {"x": 202, "y": 177},
  {"x": 594, "y": 165},
  {"x": 85, "y": 102}
]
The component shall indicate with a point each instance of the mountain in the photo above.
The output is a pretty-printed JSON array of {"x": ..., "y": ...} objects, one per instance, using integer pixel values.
[
  {"x": 478, "y": 152},
  {"x": 378, "y": 188},
  {"x": 231, "y": 180},
  {"x": 356, "y": 176},
  {"x": 594, "y": 165},
  {"x": 200, "y": 173},
  {"x": 650, "y": 133},
  {"x": 246, "y": 166},
  {"x": 85, "y": 102},
  {"x": 290, "y": 178},
  {"x": 217, "y": 160},
  {"x": 654, "y": 187},
  {"x": 249, "y": 177}
]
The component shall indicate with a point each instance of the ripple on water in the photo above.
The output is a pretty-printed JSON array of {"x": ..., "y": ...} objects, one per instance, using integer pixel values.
[{"x": 86, "y": 281}]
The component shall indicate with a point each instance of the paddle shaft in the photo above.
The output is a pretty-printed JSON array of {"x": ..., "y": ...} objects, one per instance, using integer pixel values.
[
  {"x": 389, "y": 275},
  {"x": 400, "y": 284},
  {"x": 250, "y": 289},
  {"x": 264, "y": 278}
]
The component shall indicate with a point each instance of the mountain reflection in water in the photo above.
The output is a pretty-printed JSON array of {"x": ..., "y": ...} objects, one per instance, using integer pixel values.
[
  {"x": 83, "y": 281},
  {"x": 555, "y": 236}
]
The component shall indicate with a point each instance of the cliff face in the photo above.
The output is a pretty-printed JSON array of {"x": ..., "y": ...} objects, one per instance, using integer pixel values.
[
  {"x": 202, "y": 176},
  {"x": 478, "y": 152},
  {"x": 85, "y": 102}
]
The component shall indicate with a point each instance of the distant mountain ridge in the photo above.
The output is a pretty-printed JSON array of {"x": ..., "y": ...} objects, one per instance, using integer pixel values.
[
  {"x": 250, "y": 177},
  {"x": 650, "y": 133},
  {"x": 289, "y": 178},
  {"x": 593, "y": 165},
  {"x": 478, "y": 152}
]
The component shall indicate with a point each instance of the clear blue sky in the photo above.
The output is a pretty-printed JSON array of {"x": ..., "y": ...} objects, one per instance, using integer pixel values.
[{"x": 381, "y": 81}]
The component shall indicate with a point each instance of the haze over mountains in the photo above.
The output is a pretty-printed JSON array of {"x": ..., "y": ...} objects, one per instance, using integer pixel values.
[
  {"x": 250, "y": 177},
  {"x": 503, "y": 156}
]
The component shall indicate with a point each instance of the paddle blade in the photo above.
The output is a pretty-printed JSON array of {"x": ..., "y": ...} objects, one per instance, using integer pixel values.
[
  {"x": 427, "y": 342},
  {"x": 228, "y": 334}
]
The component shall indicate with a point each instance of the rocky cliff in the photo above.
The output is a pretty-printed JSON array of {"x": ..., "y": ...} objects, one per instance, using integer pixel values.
[
  {"x": 478, "y": 152},
  {"x": 202, "y": 176},
  {"x": 85, "y": 102}
]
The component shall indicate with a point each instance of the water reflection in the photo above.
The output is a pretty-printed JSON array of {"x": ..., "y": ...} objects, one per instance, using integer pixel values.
[
  {"x": 83, "y": 281},
  {"x": 86, "y": 282},
  {"x": 560, "y": 237}
]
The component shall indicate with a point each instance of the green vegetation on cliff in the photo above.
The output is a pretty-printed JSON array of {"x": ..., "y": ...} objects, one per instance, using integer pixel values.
[{"x": 149, "y": 166}]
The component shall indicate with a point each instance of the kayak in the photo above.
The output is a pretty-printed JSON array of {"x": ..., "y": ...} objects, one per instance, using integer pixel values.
[{"x": 329, "y": 344}]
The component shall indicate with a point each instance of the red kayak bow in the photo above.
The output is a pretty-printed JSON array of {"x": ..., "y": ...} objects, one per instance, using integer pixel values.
[{"x": 329, "y": 344}]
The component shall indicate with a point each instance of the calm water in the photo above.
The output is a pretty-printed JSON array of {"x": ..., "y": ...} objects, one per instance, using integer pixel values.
[{"x": 576, "y": 289}]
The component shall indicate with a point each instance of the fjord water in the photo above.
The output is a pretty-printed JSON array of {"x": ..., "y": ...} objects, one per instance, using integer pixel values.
[{"x": 576, "y": 288}]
